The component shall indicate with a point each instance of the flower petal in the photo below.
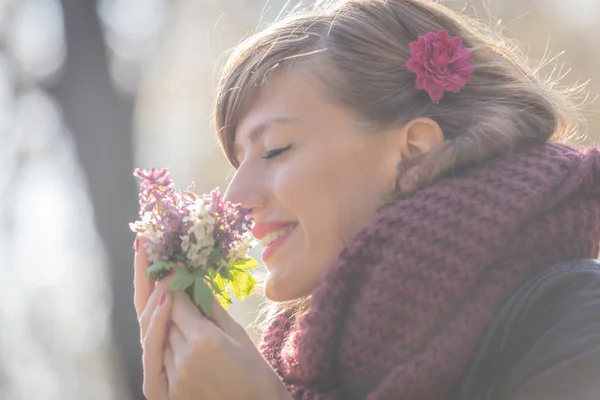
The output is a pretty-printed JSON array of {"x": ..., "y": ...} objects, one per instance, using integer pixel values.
[{"x": 440, "y": 63}]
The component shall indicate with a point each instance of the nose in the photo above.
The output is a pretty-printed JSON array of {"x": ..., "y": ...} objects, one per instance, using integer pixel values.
[{"x": 246, "y": 188}]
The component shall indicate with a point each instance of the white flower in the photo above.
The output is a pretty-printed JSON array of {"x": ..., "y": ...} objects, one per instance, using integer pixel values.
[
  {"x": 155, "y": 247},
  {"x": 143, "y": 226},
  {"x": 155, "y": 244},
  {"x": 241, "y": 248},
  {"x": 198, "y": 243}
]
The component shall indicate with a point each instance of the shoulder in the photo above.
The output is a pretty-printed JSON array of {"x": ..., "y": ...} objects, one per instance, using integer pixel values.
[{"x": 544, "y": 341}]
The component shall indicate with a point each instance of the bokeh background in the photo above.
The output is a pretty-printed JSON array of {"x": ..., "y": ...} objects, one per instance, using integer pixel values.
[{"x": 91, "y": 89}]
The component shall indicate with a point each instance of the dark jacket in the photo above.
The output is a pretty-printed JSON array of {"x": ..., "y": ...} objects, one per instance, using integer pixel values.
[{"x": 544, "y": 341}]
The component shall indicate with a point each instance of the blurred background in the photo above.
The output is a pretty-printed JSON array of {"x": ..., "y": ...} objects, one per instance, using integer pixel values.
[{"x": 91, "y": 89}]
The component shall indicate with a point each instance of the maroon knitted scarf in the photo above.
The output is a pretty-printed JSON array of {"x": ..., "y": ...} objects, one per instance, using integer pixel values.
[{"x": 399, "y": 314}]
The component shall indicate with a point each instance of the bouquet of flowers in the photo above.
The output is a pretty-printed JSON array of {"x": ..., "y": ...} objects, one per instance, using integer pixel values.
[{"x": 200, "y": 239}]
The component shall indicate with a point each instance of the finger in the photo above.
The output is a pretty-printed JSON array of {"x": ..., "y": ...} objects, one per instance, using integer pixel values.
[
  {"x": 173, "y": 377},
  {"x": 176, "y": 349},
  {"x": 177, "y": 341},
  {"x": 150, "y": 308},
  {"x": 141, "y": 281},
  {"x": 187, "y": 318},
  {"x": 155, "y": 338}
]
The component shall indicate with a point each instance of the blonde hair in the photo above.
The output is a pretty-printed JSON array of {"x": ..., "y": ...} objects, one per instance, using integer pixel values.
[{"x": 358, "y": 49}]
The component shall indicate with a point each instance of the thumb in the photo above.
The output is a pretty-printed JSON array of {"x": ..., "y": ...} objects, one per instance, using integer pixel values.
[
  {"x": 155, "y": 383},
  {"x": 142, "y": 284}
]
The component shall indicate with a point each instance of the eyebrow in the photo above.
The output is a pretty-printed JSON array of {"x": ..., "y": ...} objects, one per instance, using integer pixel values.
[
  {"x": 260, "y": 129},
  {"x": 256, "y": 132}
]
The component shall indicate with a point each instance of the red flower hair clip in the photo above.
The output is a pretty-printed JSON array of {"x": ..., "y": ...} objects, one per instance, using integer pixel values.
[{"x": 441, "y": 64}]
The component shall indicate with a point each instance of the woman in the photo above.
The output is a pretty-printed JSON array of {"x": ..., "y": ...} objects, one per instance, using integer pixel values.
[{"x": 406, "y": 180}]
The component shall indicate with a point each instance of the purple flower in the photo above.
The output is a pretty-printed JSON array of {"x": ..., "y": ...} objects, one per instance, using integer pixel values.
[
  {"x": 232, "y": 221},
  {"x": 168, "y": 213},
  {"x": 441, "y": 64},
  {"x": 165, "y": 206}
]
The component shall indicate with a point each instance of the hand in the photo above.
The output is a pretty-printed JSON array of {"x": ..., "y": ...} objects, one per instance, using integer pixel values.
[
  {"x": 214, "y": 358},
  {"x": 153, "y": 311},
  {"x": 188, "y": 356}
]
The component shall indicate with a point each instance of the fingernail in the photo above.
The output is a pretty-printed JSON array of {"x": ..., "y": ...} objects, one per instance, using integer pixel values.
[
  {"x": 163, "y": 297},
  {"x": 136, "y": 245}
]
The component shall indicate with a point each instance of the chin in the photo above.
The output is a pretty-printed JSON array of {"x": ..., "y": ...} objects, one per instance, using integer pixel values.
[{"x": 279, "y": 289}]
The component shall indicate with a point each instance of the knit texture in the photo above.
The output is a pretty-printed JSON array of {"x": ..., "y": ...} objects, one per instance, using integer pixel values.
[{"x": 399, "y": 314}]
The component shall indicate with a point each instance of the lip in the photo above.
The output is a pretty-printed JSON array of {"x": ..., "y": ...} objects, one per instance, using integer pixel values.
[
  {"x": 262, "y": 229},
  {"x": 275, "y": 244}
]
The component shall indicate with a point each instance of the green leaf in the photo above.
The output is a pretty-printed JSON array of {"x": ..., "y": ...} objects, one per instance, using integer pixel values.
[
  {"x": 224, "y": 274},
  {"x": 242, "y": 284},
  {"x": 219, "y": 280},
  {"x": 182, "y": 280},
  {"x": 213, "y": 286},
  {"x": 179, "y": 257},
  {"x": 246, "y": 264},
  {"x": 203, "y": 296},
  {"x": 217, "y": 285},
  {"x": 200, "y": 273},
  {"x": 189, "y": 264},
  {"x": 224, "y": 298},
  {"x": 157, "y": 267},
  {"x": 214, "y": 257}
]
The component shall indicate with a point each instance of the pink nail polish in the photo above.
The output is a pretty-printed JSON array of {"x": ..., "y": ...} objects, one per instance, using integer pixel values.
[
  {"x": 136, "y": 245},
  {"x": 161, "y": 300}
]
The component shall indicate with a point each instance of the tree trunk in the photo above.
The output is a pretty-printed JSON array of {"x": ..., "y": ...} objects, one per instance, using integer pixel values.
[{"x": 100, "y": 122}]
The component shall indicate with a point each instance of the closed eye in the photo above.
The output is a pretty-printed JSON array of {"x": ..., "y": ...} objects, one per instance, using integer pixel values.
[{"x": 275, "y": 152}]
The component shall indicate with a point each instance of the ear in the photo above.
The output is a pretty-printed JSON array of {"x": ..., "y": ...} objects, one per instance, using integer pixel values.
[{"x": 420, "y": 136}]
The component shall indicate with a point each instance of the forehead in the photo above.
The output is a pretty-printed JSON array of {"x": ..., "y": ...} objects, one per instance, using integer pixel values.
[{"x": 285, "y": 96}]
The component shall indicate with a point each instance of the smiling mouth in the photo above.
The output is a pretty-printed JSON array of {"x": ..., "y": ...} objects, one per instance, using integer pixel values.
[
  {"x": 273, "y": 236},
  {"x": 274, "y": 240}
]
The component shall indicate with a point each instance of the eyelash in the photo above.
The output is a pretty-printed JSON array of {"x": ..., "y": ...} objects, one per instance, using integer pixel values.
[{"x": 275, "y": 152}]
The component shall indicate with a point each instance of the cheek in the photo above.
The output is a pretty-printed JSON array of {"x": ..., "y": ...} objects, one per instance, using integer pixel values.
[
  {"x": 325, "y": 193},
  {"x": 332, "y": 196},
  {"x": 308, "y": 192},
  {"x": 331, "y": 193},
  {"x": 311, "y": 188}
]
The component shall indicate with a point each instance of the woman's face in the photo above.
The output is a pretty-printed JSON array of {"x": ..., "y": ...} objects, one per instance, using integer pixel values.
[{"x": 312, "y": 177}]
